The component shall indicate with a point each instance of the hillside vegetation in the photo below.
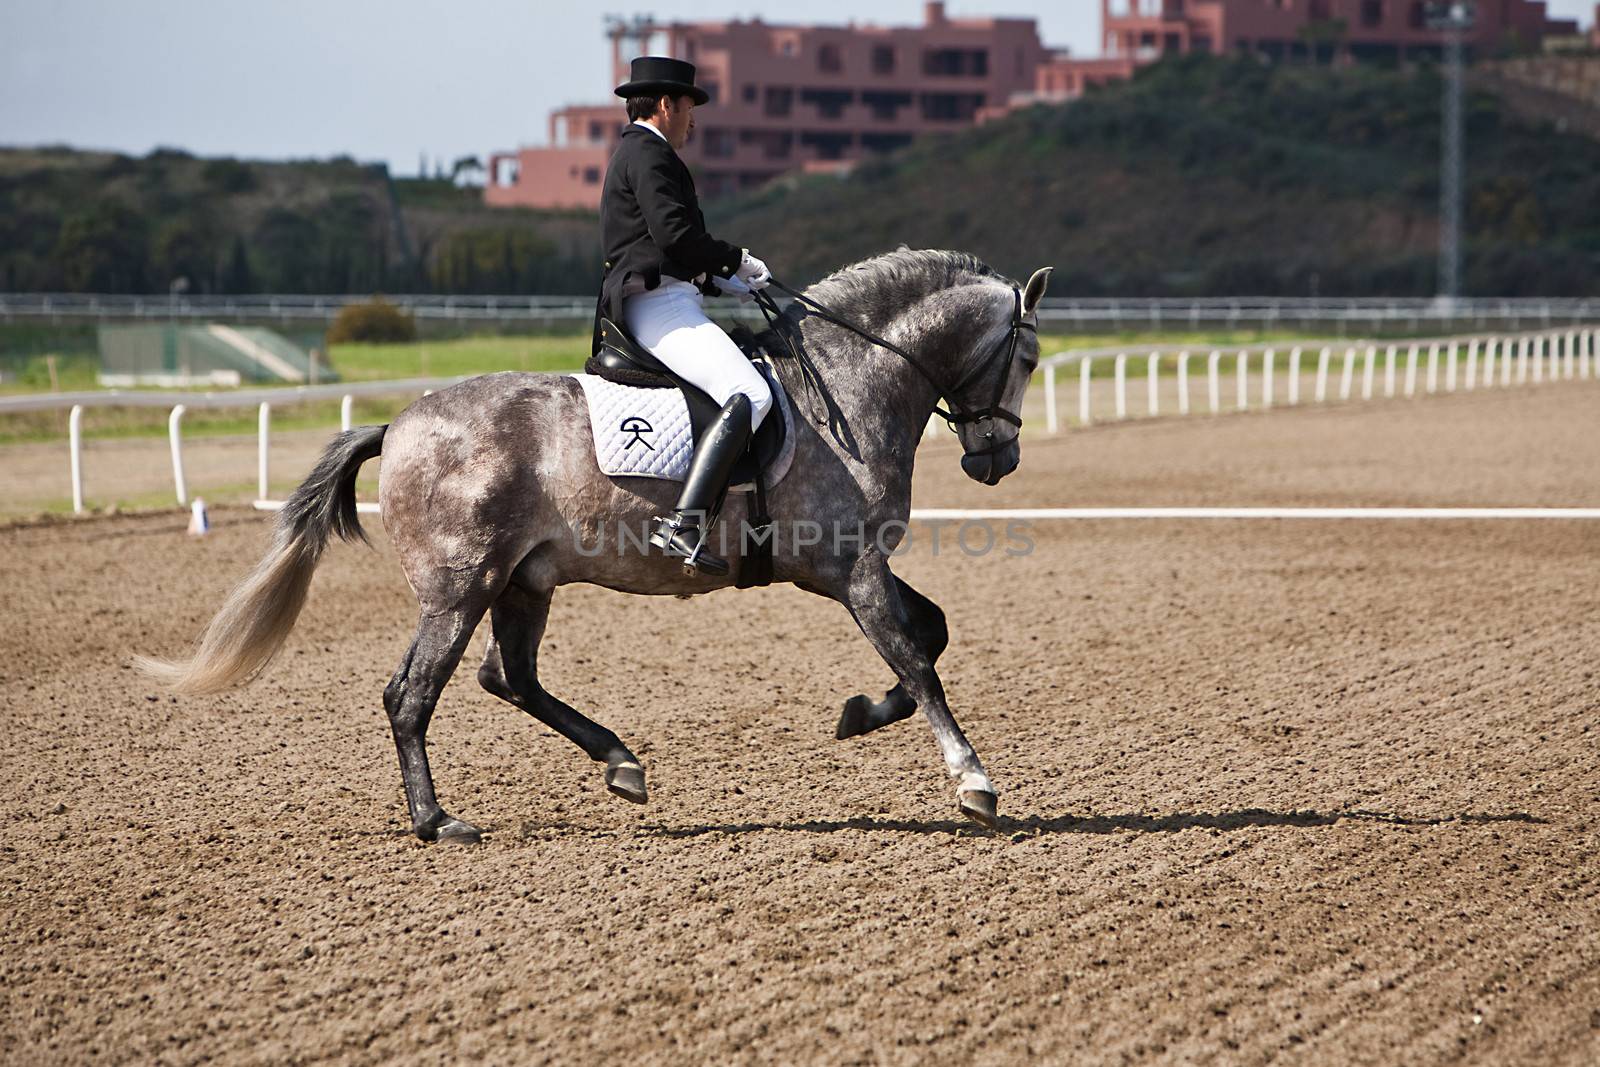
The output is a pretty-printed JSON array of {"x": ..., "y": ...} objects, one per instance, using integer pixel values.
[
  {"x": 1209, "y": 176},
  {"x": 102, "y": 222},
  {"x": 1201, "y": 176}
]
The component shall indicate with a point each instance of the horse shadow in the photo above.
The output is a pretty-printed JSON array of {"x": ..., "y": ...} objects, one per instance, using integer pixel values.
[{"x": 1037, "y": 826}]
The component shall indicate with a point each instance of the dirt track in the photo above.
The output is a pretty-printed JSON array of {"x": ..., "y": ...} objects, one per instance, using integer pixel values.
[{"x": 1313, "y": 792}]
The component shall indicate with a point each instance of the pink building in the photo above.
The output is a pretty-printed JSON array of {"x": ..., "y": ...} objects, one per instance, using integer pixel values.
[
  {"x": 786, "y": 98},
  {"x": 812, "y": 98},
  {"x": 1363, "y": 29}
]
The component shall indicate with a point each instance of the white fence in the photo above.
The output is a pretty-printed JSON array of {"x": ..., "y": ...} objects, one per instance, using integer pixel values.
[
  {"x": 1434, "y": 365},
  {"x": 1428, "y": 365}
]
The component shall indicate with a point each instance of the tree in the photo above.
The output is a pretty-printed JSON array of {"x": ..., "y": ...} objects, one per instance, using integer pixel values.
[{"x": 102, "y": 249}]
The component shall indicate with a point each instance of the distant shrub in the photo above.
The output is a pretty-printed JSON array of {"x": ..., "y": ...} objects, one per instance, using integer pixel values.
[
  {"x": 376, "y": 320},
  {"x": 228, "y": 176}
]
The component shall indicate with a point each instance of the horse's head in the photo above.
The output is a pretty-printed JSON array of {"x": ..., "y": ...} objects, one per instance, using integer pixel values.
[{"x": 990, "y": 392}]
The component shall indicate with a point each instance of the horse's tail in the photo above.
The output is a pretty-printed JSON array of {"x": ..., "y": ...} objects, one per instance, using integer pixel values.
[{"x": 255, "y": 620}]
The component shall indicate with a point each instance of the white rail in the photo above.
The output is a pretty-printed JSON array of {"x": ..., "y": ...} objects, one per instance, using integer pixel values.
[{"x": 1468, "y": 362}]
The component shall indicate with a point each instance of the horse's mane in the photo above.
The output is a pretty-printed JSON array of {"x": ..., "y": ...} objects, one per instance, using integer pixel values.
[{"x": 898, "y": 274}]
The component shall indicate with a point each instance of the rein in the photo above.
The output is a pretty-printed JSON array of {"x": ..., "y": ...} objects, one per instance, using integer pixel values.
[{"x": 958, "y": 414}]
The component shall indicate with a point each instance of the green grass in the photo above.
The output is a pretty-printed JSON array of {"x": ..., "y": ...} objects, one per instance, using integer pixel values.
[{"x": 460, "y": 356}]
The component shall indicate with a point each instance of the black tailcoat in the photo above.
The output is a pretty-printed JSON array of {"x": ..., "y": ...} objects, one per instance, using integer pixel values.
[{"x": 650, "y": 223}]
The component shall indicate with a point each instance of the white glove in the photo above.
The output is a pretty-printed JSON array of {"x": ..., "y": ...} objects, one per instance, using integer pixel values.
[
  {"x": 733, "y": 287},
  {"x": 753, "y": 272}
]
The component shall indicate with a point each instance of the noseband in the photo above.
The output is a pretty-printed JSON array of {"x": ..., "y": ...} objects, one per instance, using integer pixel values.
[{"x": 958, "y": 414}]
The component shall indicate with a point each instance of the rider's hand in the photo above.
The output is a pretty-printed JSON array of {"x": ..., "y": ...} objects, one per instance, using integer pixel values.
[
  {"x": 733, "y": 287},
  {"x": 753, "y": 272}
]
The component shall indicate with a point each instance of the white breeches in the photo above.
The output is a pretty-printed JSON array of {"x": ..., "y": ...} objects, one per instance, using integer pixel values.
[{"x": 671, "y": 322}]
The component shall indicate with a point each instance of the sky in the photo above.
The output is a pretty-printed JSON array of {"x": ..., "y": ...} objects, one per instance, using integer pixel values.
[{"x": 385, "y": 80}]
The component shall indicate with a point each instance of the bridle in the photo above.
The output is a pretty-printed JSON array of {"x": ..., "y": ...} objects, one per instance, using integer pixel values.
[{"x": 958, "y": 414}]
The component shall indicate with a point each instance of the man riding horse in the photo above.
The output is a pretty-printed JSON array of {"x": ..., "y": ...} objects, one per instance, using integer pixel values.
[{"x": 660, "y": 263}]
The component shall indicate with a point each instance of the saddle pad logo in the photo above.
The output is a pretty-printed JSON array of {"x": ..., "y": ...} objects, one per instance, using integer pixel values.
[{"x": 638, "y": 426}]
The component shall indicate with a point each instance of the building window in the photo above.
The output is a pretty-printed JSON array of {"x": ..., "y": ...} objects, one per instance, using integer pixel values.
[
  {"x": 885, "y": 106},
  {"x": 828, "y": 60},
  {"x": 778, "y": 101},
  {"x": 828, "y": 145},
  {"x": 591, "y": 175},
  {"x": 711, "y": 89},
  {"x": 951, "y": 107},
  {"x": 956, "y": 62},
  {"x": 749, "y": 94},
  {"x": 883, "y": 59},
  {"x": 773, "y": 144},
  {"x": 1371, "y": 12},
  {"x": 830, "y": 103},
  {"x": 884, "y": 142},
  {"x": 719, "y": 144},
  {"x": 596, "y": 131}
]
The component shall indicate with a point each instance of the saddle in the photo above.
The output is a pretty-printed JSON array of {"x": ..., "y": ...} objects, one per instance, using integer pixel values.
[{"x": 624, "y": 360}]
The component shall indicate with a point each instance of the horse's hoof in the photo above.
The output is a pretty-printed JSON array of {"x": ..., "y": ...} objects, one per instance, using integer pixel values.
[
  {"x": 979, "y": 807},
  {"x": 626, "y": 780},
  {"x": 448, "y": 829},
  {"x": 853, "y": 721}
]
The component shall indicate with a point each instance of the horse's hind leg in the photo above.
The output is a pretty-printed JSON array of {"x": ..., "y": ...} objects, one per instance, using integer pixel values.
[
  {"x": 926, "y": 623},
  {"x": 410, "y": 699},
  {"x": 510, "y": 672}
]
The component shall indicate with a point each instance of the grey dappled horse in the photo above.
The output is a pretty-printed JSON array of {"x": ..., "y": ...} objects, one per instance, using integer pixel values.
[{"x": 492, "y": 497}]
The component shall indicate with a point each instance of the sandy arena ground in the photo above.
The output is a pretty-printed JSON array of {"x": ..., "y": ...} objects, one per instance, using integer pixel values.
[{"x": 1305, "y": 792}]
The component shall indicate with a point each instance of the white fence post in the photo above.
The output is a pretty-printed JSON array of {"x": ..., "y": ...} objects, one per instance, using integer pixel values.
[
  {"x": 1321, "y": 393},
  {"x": 1388, "y": 371},
  {"x": 1369, "y": 369},
  {"x": 175, "y": 439},
  {"x": 1472, "y": 364},
  {"x": 263, "y": 430},
  {"x": 346, "y": 411},
  {"x": 1241, "y": 365},
  {"x": 1213, "y": 386},
  {"x": 1450, "y": 369},
  {"x": 1268, "y": 363},
  {"x": 1120, "y": 367},
  {"x": 1586, "y": 358},
  {"x": 1433, "y": 367},
  {"x": 1183, "y": 383},
  {"x": 1538, "y": 358},
  {"x": 1084, "y": 390},
  {"x": 1489, "y": 353},
  {"x": 1152, "y": 370},
  {"x": 1411, "y": 371},
  {"x": 1294, "y": 376},
  {"x": 1522, "y": 360},
  {"x": 1569, "y": 365},
  {"x": 1348, "y": 375},
  {"x": 1505, "y": 360},
  {"x": 75, "y": 446},
  {"x": 1050, "y": 423}
]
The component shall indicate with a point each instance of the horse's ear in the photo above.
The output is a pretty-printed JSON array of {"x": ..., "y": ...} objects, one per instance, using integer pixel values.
[{"x": 1034, "y": 292}]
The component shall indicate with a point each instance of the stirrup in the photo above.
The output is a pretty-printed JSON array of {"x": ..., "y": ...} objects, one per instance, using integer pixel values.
[{"x": 697, "y": 560}]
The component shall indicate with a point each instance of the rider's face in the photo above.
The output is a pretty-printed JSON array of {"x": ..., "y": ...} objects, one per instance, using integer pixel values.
[{"x": 676, "y": 119}]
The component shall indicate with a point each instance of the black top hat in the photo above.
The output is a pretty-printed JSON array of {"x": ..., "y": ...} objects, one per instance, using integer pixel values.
[{"x": 657, "y": 75}]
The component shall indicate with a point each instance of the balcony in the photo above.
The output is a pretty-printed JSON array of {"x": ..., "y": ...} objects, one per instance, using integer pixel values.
[{"x": 1145, "y": 11}]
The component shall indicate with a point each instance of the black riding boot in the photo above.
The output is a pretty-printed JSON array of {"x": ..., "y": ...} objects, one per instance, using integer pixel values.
[{"x": 685, "y": 534}]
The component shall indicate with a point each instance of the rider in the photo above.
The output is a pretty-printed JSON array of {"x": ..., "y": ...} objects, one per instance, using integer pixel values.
[{"x": 660, "y": 262}]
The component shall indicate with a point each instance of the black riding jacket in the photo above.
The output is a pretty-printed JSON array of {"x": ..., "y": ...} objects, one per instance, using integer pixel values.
[{"x": 650, "y": 223}]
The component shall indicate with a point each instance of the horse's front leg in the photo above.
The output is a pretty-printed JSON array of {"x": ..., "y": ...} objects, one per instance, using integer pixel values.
[{"x": 875, "y": 602}]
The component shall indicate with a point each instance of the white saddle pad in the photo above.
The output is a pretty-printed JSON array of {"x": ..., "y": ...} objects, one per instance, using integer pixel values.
[{"x": 646, "y": 433}]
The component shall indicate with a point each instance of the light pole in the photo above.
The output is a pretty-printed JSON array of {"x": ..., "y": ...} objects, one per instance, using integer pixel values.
[{"x": 1451, "y": 18}]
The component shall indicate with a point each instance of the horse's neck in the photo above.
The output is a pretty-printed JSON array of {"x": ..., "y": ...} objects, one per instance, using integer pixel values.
[{"x": 864, "y": 385}]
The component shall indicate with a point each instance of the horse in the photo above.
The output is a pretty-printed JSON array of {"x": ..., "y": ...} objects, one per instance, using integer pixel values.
[{"x": 490, "y": 493}]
